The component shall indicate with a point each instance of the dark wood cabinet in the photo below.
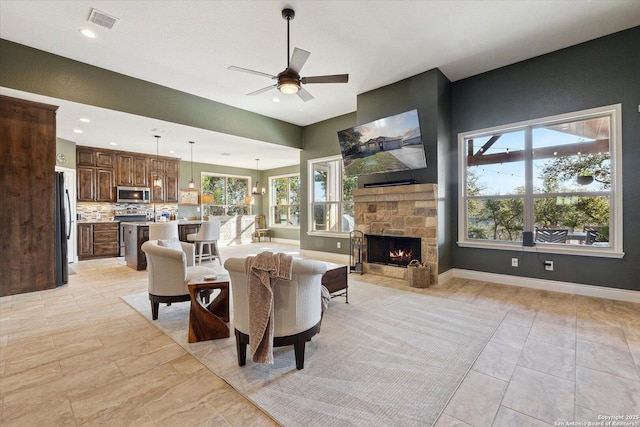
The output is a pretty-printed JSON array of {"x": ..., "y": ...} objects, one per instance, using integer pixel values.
[
  {"x": 167, "y": 169},
  {"x": 85, "y": 156},
  {"x": 131, "y": 170},
  {"x": 171, "y": 188},
  {"x": 95, "y": 175},
  {"x": 86, "y": 183},
  {"x": 105, "y": 189},
  {"x": 27, "y": 162},
  {"x": 101, "y": 171},
  {"x": 96, "y": 240},
  {"x": 85, "y": 241}
]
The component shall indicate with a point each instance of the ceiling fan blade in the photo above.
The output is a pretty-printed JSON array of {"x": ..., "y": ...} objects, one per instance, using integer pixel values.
[
  {"x": 263, "y": 90},
  {"x": 304, "y": 95},
  {"x": 246, "y": 70},
  {"x": 335, "y": 78},
  {"x": 298, "y": 59}
]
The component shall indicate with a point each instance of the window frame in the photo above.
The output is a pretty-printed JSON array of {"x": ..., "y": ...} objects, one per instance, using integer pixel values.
[
  {"x": 273, "y": 202},
  {"x": 311, "y": 197},
  {"x": 226, "y": 177},
  {"x": 615, "y": 249}
]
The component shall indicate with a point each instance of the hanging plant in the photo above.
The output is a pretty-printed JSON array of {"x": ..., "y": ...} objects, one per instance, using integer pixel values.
[{"x": 585, "y": 178}]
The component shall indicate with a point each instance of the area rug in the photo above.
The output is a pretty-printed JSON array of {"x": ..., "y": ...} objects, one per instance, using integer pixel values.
[{"x": 388, "y": 357}]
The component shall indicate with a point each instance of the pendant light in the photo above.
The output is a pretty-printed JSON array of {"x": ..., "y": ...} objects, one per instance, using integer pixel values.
[
  {"x": 255, "y": 190},
  {"x": 192, "y": 183},
  {"x": 157, "y": 181}
]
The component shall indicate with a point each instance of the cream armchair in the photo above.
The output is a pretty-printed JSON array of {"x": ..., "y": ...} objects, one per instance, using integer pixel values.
[
  {"x": 297, "y": 306},
  {"x": 170, "y": 268}
]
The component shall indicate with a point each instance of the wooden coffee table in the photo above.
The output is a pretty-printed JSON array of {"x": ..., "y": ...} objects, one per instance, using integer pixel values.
[{"x": 209, "y": 322}]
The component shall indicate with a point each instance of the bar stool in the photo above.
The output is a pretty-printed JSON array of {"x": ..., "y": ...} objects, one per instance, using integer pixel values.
[
  {"x": 208, "y": 234},
  {"x": 163, "y": 230}
]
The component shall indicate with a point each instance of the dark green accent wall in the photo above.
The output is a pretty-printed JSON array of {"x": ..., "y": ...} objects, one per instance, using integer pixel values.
[
  {"x": 35, "y": 71},
  {"x": 601, "y": 72},
  {"x": 320, "y": 140},
  {"x": 429, "y": 93}
]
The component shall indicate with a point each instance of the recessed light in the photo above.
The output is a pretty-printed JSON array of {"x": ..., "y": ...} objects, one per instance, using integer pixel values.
[
  {"x": 88, "y": 33},
  {"x": 85, "y": 120},
  {"x": 276, "y": 99},
  {"x": 225, "y": 154},
  {"x": 77, "y": 131},
  {"x": 113, "y": 143},
  {"x": 171, "y": 151}
]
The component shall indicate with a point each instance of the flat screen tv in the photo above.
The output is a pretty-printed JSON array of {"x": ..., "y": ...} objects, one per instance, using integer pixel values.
[{"x": 385, "y": 145}]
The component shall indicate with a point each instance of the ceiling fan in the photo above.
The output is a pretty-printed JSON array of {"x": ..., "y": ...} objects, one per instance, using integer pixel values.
[{"x": 289, "y": 81}]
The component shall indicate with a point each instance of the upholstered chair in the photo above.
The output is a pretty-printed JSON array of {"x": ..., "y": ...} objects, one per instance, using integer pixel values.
[
  {"x": 208, "y": 235},
  {"x": 170, "y": 266},
  {"x": 297, "y": 306}
]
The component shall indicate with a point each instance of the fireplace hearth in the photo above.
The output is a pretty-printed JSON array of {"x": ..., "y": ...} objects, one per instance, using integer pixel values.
[{"x": 393, "y": 250}]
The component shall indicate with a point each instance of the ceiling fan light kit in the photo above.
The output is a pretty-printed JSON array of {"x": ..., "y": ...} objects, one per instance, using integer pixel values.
[{"x": 289, "y": 81}]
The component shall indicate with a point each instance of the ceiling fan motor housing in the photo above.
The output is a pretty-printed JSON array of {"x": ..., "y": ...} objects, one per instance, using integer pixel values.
[{"x": 288, "y": 81}]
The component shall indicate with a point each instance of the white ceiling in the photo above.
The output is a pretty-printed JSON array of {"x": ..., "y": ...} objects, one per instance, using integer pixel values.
[{"x": 188, "y": 45}]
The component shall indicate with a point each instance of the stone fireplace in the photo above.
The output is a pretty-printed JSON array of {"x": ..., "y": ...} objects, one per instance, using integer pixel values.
[{"x": 402, "y": 211}]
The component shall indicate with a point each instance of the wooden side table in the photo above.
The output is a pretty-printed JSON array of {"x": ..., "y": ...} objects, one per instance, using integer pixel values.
[
  {"x": 209, "y": 322},
  {"x": 335, "y": 280}
]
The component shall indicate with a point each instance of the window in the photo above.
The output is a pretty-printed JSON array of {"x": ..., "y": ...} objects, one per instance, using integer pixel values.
[
  {"x": 331, "y": 206},
  {"x": 224, "y": 195},
  {"x": 558, "y": 178},
  {"x": 285, "y": 200}
]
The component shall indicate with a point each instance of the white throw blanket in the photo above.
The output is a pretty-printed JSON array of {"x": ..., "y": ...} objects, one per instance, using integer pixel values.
[{"x": 262, "y": 270}]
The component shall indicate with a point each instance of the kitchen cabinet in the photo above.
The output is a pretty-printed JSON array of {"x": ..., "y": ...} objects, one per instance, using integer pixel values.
[
  {"x": 85, "y": 241},
  {"x": 167, "y": 169},
  {"x": 100, "y": 171},
  {"x": 131, "y": 170},
  {"x": 96, "y": 240},
  {"x": 95, "y": 175},
  {"x": 27, "y": 162}
]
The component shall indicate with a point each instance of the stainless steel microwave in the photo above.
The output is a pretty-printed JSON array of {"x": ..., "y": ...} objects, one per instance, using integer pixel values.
[{"x": 133, "y": 194}]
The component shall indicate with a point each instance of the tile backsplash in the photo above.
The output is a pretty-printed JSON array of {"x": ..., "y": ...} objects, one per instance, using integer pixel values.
[{"x": 92, "y": 211}]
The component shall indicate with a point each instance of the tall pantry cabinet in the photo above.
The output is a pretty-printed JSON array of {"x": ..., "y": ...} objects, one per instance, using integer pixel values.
[{"x": 27, "y": 165}]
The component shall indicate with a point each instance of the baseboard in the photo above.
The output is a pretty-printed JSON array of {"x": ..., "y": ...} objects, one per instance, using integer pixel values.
[
  {"x": 545, "y": 285},
  {"x": 285, "y": 241}
]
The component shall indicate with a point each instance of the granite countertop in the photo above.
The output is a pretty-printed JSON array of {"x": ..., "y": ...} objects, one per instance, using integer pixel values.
[
  {"x": 146, "y": 223},
  {"x": 96, "y": 221}
]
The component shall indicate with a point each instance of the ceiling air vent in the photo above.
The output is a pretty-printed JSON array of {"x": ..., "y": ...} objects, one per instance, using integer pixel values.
[{"x": 102, "y": 19}]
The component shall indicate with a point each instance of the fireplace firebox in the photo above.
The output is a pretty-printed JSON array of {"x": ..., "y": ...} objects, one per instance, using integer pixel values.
[{"x": 393, "y": 250}]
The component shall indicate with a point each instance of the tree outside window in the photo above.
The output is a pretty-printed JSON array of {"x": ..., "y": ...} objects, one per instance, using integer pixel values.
[
  {"x": 285, "y": 200},
  {"x": 545, "y": 175},
  {"x": 223, "y": 195}
]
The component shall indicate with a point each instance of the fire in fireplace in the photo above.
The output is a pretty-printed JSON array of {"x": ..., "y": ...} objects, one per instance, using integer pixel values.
[{"x": 393, "y": 250}]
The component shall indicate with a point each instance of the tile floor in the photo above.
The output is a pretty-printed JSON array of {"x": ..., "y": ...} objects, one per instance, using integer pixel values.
[{"x": 79, "y": 355}]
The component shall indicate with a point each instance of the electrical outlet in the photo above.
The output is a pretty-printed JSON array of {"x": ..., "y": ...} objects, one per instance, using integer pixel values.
[
  {"x": 548, "y": 265},
  {"x": 198, "y": 209},
  {"x": 338, "y": 245},
  {"x": 514, "y": 262}
]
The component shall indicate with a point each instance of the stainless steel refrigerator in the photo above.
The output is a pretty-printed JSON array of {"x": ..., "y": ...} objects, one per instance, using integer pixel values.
[{"x": 62, "y": 229}]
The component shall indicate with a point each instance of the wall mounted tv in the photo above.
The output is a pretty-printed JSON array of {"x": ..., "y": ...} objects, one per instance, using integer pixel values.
[{"x": 385, "y": 145}]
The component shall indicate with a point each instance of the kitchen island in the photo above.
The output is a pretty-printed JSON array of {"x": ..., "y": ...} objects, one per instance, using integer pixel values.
[
  {"x": 235, "y": 230},
  {"x": 136, "y": 233}
]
